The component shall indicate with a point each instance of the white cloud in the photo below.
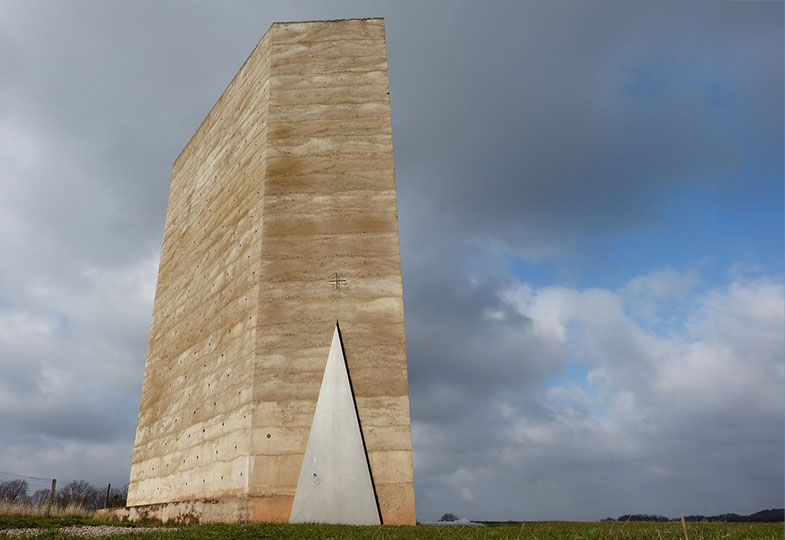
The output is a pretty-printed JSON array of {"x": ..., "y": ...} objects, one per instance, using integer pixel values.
[
  {"x": 648, "y": 296},
  {"x": 644, "y": 406}
]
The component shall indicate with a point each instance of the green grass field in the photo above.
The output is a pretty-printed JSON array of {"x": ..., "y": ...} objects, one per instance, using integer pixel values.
[{"x": 532, "y": 530}]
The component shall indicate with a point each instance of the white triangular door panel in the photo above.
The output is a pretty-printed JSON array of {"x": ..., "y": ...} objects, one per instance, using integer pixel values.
[{"x": 335, "y": 483}]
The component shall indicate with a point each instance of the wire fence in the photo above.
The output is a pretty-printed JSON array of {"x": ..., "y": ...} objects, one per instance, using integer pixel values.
[
  {"x": 48, "y": 489},
  {"x": 34, "y": 483}
]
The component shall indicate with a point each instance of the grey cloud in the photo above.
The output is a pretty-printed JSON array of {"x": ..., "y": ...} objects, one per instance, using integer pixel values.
[{"x": 531, "y": 130}]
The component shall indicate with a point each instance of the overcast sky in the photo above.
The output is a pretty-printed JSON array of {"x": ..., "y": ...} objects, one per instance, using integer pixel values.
[{"x": 591, "y": 212}]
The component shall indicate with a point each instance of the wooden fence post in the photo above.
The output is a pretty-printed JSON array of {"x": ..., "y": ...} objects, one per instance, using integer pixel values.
[
  {"x": 51, "y": 496},
  {"x": 106, "y": 499}
]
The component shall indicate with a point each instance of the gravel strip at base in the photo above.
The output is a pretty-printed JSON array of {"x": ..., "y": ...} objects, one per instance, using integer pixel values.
[{"x": 87, "y": 531}]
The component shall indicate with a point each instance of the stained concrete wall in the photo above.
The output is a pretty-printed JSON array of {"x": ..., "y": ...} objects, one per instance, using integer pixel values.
[{"x": 288, "y": 182}]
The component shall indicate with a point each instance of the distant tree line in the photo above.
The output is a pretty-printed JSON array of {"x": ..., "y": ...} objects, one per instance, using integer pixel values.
[
  {"x": 773, "y": 515},
  {"x": 640, "y": 517},
  {"x": 78, "y": 492}
]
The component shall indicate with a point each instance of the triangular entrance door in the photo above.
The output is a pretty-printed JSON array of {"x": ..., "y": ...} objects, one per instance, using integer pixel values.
[{"x": 335, "y": 483}]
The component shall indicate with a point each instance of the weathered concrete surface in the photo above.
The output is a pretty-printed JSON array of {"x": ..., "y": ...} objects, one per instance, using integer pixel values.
[
  {"x": 335, "y": 485},
  {"x": 182, "y": 512},
  {"x": 286, "y": 185}
]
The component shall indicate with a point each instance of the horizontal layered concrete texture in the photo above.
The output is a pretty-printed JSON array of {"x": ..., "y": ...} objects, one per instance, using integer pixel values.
[{"x": 282, "y": 220}]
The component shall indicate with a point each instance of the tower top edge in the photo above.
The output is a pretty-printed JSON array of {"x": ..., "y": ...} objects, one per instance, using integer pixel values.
[
  {"x": 320, "y": 21},
  {"x": 277, "y": 24},
  {"x": 330, "y": 20}
]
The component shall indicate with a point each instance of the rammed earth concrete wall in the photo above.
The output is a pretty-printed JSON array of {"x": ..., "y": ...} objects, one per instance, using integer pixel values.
[{"x": 287, "y": 186}]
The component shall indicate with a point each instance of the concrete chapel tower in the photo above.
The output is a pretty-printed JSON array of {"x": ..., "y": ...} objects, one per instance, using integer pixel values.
[{"x": 282, "y": 220}]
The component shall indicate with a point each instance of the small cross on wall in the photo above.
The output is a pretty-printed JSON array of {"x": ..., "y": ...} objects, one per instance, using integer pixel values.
[{"x": 337, "y": 281}]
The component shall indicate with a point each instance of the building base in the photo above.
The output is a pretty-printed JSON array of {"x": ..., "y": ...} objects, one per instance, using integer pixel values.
[{"x": 225, "y": 510}]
